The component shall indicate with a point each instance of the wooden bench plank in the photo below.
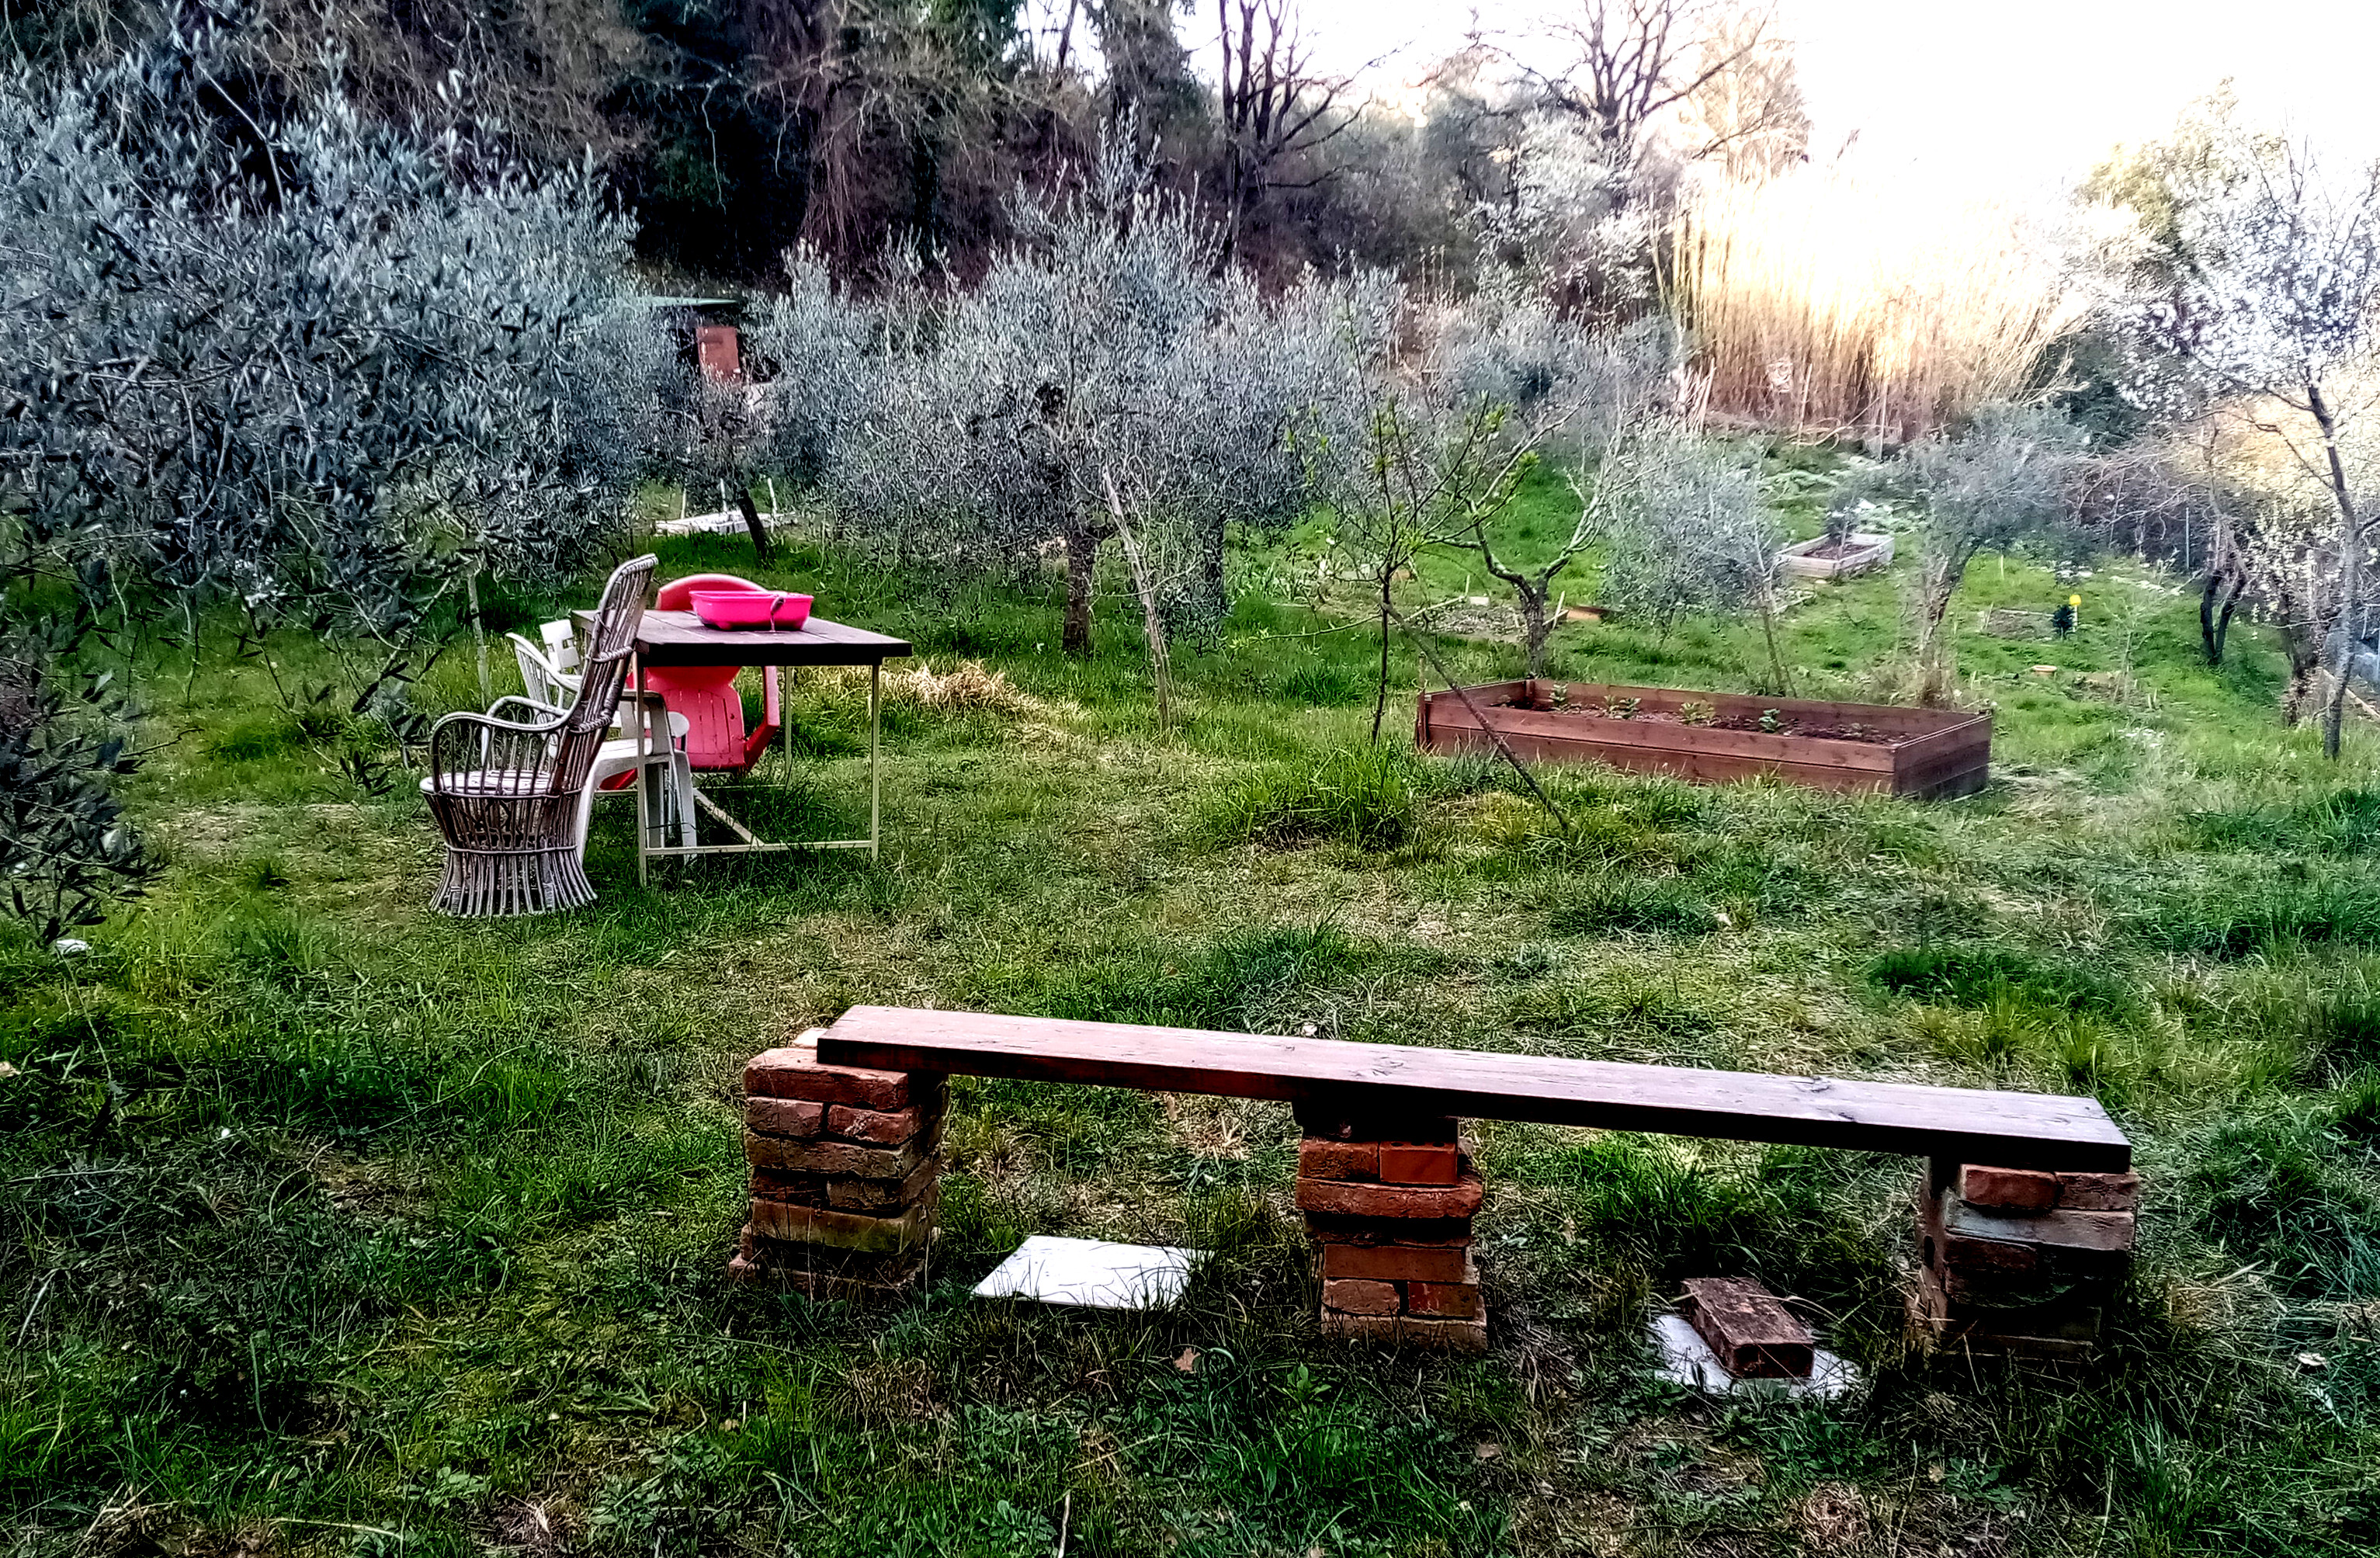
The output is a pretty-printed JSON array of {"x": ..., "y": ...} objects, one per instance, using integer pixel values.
[{"x": 1967, "y": 1125}]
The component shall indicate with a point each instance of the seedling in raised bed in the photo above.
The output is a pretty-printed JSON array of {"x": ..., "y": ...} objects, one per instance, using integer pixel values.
[
  {"x": 1772, "y": 722},
  {"x": 1696, "y": 711}
]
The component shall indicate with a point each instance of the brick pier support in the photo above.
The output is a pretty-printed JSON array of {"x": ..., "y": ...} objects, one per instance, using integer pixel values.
[
  {"x": 2019, "y": 1261},
  {"x": 846, "y": 1171},
  {"x": 1390, "y": 1202}
]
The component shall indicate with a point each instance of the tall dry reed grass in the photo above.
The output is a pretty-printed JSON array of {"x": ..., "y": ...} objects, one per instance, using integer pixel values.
[{"x": 1822, "y": 303}]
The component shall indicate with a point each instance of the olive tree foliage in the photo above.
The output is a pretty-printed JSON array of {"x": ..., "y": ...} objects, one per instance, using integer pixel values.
[
  {"x": 981, "y": 428},
  {"x": 306, "y": 362},
  {"x": 2255, "y": 300},
  {"x": 1685, "y": 530},
  {"x": 315, "y": 367},
  {"x": 2009, "y": 475}
]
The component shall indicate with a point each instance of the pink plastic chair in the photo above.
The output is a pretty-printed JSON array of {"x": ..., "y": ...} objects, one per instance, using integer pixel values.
[{"x": 706, "y": 695}]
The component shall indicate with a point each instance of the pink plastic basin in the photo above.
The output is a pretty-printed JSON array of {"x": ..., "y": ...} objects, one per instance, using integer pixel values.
[{"x": 750, "y": 608}]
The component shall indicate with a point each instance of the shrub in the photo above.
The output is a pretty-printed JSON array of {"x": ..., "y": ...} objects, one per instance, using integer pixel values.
[
  {"x": 1370, "y": 797},
  {"x": 1979, "y": 977}
]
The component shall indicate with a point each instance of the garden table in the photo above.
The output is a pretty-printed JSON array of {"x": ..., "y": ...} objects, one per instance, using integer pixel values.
[{"x": 680, "y": 638}]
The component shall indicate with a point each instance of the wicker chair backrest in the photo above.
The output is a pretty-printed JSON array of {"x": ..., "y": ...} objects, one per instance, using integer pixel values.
[{"x": 617, "y": 616}]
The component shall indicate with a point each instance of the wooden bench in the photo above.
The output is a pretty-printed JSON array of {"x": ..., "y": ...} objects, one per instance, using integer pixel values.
[
  {"x": 2026, "y": 1209},
  {"x": 1969, "y": 1124}
]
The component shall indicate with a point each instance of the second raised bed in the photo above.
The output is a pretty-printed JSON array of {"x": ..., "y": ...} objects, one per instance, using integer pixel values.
[{"x": 1717, "y": 736}]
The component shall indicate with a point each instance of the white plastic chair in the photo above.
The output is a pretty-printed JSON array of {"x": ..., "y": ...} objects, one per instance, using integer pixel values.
[{"x": 549, "y": 676}]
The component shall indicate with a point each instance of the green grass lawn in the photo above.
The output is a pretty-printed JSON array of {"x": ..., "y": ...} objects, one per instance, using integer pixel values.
[{"x": 332, "y": 1226}]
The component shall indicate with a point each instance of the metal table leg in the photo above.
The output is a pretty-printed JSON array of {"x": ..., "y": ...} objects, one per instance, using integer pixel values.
[
  {"x": 875, "y": 785},
  {"x": 644, "y": 780}
]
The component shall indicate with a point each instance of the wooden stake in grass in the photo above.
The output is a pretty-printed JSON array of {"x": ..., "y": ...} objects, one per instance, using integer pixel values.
[{"x": 1479, "y": 716}]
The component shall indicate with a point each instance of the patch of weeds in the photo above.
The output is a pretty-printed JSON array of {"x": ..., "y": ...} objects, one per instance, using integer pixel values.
[
  {"x": 1978, "y": 976},
  {"x": 255, "y": 741},
  {"x": 2343, "y": 822},
  {"x": 262, "y": 873},
  {"x": 1370, "y": 797},
  {"x": 1248, "y": 981},
  {"x": 2271, "y": 1189},
  {"x": 1619, "y": 906},
  {"x": 2260, "y": 915}
]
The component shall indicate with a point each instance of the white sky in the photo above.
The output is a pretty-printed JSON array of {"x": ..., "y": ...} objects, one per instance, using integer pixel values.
[{"x": 2004, "y": 96}]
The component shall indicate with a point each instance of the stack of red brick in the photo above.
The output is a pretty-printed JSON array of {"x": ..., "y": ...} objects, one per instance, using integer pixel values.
[
  {"x": 1390, "y": 1204},
  {"x": 2023, "y": 1260},
  {"x": 846, "y": 1171}
]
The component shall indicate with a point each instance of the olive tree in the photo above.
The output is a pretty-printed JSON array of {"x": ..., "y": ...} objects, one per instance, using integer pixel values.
[
  {"x": 988, "y": 421},
  {"x": 315, "y": 367},
  {"x": 2009, "y": 474},
  {"x": 1592, "y": 392},
  {"x": 1683, "y": 527},
  {"x": 303, "y": 359}
]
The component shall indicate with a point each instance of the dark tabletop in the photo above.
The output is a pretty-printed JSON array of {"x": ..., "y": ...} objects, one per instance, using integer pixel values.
[{"x": 680, "y": 638}]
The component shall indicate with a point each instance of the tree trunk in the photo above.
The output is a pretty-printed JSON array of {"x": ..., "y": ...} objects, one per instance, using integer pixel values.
[
  {"x": 1381, "y": 703},
  {"x": 2213, "y": 626},
  {"x": 1537, "y": 627},
  {"x": 1082, "y": 566},
  {"x": 2346, "y": 621}
]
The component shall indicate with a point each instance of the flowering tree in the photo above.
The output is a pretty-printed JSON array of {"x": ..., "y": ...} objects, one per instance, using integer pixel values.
[{"x": 2255, "y": 300}]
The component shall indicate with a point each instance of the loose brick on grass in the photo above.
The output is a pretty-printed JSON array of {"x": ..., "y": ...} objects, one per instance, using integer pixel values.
[{"x": 1753, "y": 1334}]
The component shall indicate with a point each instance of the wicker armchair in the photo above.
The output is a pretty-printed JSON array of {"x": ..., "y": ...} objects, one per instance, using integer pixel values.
[{"x": 507, "y": 794}]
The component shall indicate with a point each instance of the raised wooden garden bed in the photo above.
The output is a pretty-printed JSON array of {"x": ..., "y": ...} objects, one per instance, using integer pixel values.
[
  {"x": 1821, "y": 558},
  {"x": 1719, "y": 735}
]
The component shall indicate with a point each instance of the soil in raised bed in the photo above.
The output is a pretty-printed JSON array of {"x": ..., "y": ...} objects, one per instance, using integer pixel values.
[
  {"x": 1723, "y": 722},
  {"x": 1833, "y": 550}
]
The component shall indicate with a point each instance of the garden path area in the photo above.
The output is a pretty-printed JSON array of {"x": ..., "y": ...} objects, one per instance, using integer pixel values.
[{"x": 344, "y": 1228}]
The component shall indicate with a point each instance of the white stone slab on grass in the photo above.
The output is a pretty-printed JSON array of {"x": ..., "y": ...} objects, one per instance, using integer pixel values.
[
  {"x": 1093, "y": 1273},
  {"x": 1687, "y": 1359}
]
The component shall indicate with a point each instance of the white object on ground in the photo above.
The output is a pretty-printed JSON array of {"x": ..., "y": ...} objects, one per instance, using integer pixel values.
[
  {"x": 1687, "y": 1359},
  {"x": 69, "y": 946},
  {"x": 1091, "y": 1272},
  {"x": 727, "y": 522}
]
